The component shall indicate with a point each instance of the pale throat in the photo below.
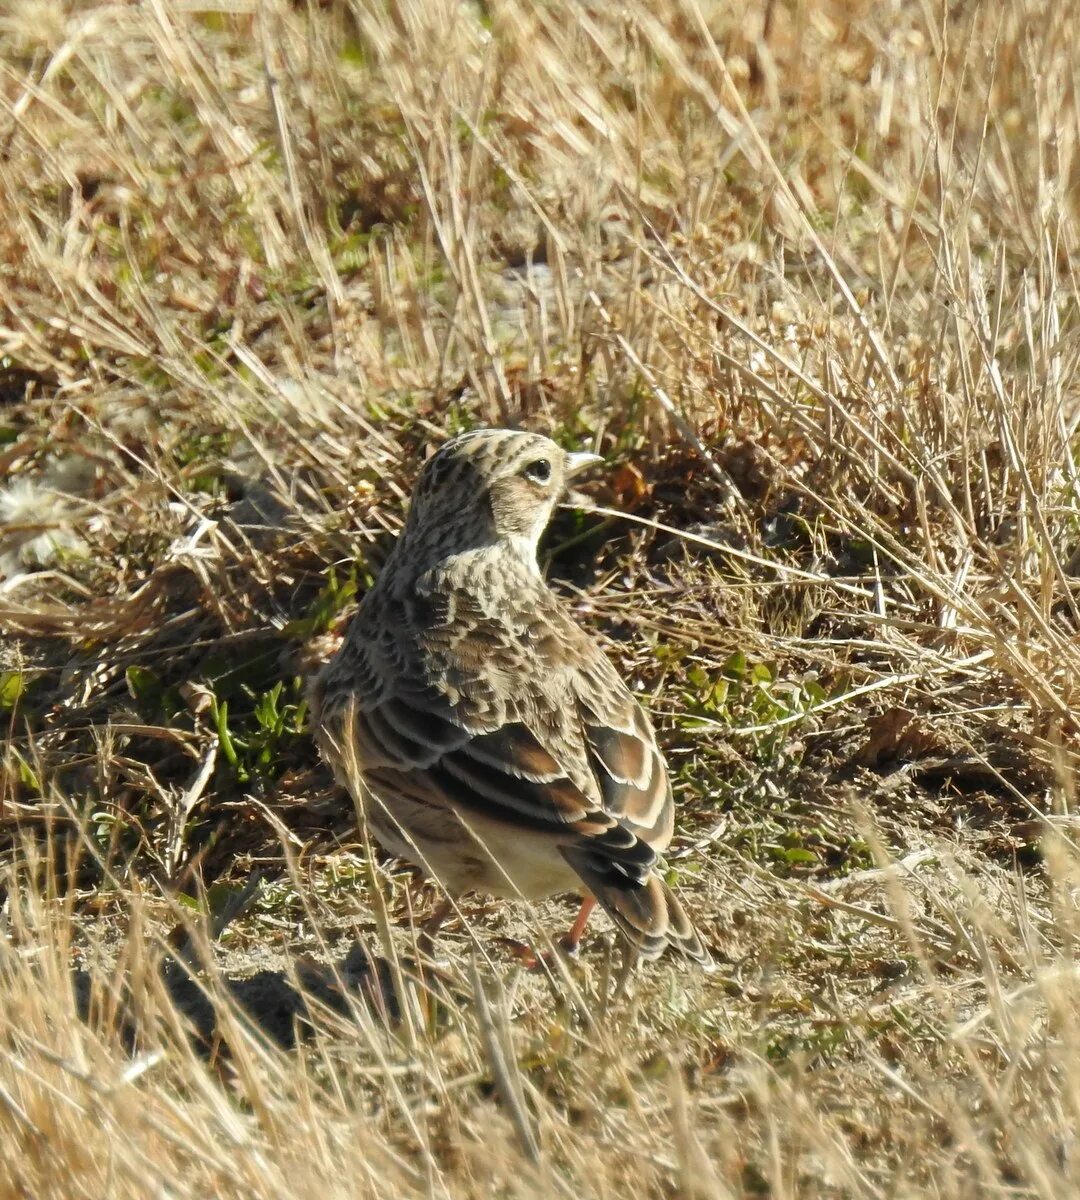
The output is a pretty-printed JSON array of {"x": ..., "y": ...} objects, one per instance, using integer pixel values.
[
  {"x": 526, "y": 544},
  {"x": 524, "y": 547},
  {"x": 463, "y": 540},
  {"x": 512, "y": 558}
]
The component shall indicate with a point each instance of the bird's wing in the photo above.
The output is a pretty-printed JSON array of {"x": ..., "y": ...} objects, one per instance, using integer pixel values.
[
  {"x": 506, "y": 773},
  {"x": 511, "y": 774},
  {"x": 571, "y": 755},
  {"x": 633, "y": 781},
  {"x": 483, "y": 720},
  {"x": 622, "y": 752}
]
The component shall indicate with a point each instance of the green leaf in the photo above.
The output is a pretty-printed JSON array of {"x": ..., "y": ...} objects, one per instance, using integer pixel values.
[
  {"x": 142, "y": 683},
  {"x": 334, "y": 596},
  {"x": 27, "y": 777},
  {"x": 735, "y": 667},
  {"x": 695, "y": 724},
  {"x": 698, "y": 677},
  {"x": 12, "y": 686},
  {"x": 221, "y": 718}
]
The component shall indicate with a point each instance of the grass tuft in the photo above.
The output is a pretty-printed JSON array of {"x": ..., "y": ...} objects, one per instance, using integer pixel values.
[{"x": 806, "y": 275}]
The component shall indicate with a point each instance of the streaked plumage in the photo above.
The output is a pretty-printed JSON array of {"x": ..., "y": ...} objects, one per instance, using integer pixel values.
[{"x": 489, "y": 738}]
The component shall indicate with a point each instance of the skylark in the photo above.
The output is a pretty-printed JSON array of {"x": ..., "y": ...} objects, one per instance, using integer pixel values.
[{"x": 485, "y": 736}]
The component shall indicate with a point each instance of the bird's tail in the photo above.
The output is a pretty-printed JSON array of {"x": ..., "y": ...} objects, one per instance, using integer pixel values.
[{"x": 648, "y": 914}]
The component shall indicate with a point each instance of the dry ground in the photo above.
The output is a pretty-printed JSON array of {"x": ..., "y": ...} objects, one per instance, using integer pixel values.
[{"x": 805, "y": 271}]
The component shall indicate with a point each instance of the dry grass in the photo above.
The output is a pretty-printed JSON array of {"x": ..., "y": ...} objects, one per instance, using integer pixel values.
[{"x": 805, "y": 272}]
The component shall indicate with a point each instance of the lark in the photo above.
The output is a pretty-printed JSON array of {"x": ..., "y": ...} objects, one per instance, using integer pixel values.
[{"x": 485, "y": 735}]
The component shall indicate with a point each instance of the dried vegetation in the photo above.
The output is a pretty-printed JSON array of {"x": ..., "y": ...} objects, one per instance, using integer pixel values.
[{"x": 805, "y": 271}]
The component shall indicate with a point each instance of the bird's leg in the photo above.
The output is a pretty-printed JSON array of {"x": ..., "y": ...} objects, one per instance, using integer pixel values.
[
  {"x": 572, "y": 940},
  {"x": 414, "y": 889},
  {"x": 425, "y": 943},
  {"x": 536, "y": 960},
  {"x": 434, "y": 923}
]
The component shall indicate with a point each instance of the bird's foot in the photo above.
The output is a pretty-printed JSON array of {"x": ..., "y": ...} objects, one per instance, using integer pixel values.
[{"x": 534, "y": 959}]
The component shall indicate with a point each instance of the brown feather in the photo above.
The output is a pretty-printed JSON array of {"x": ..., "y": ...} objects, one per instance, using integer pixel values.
[{"x": 481, "y": 711}]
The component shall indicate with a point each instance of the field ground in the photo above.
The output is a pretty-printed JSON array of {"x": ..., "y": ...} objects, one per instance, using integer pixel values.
[{"x": 805, "y": 272}]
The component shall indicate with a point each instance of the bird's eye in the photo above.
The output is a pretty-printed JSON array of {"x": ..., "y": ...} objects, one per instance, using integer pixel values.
[{"x": 539, "y": 470}]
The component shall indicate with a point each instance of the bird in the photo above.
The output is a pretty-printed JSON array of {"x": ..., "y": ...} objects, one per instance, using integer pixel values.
[{"x": 485, "y": 736}]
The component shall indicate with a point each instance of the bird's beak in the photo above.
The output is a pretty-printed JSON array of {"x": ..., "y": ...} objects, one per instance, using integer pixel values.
[{"x": 581, "y": 460}]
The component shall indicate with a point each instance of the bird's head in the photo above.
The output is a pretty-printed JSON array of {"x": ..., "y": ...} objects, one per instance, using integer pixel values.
[{"x": 491, "y": 487}]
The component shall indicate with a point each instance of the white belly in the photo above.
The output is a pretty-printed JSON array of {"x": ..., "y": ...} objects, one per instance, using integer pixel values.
[{"x": 468, "y": 852}]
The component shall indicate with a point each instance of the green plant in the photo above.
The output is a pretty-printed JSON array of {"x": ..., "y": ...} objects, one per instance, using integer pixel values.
[{"x": 254, "y": 745}]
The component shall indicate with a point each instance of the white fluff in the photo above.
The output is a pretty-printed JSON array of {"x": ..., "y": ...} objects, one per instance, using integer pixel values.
[{"x": 37, "y": 523}]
